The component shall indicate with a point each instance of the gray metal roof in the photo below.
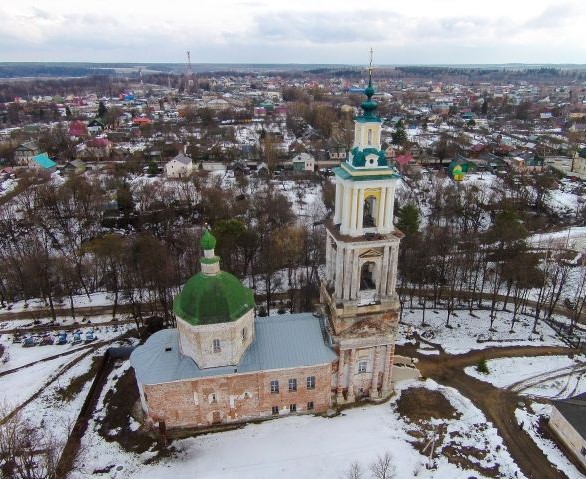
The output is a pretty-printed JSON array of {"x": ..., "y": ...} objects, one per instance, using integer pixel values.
[
  {"x": 186, "y": 160},
  {"x": 574, "y": 410},
  {"x": 284, "y": 341}
]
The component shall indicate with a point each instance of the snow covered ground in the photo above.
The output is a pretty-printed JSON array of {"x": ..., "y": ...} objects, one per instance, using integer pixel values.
[
  {"x": 308, "y": 446},
  {"x": 17, "y": 387},
  {"x": 80, "y": 301},
  {"x": 81, "y": 320},
  {"x": 472, "y": 332},
  {"x": 530, "y": 419},
  {"x": 547, "y": 376}
]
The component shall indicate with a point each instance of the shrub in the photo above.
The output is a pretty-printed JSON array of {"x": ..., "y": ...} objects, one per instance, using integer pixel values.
[{"x": 482, "y": 367}]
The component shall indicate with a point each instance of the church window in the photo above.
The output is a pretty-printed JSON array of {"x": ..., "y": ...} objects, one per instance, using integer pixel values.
[
  {"x": 216, "y": 346},
  {"x": 369, "y": 136},
  {"x": 275, "y": 410},
  {"x": 362, "y": 366},
  {"x": 243, "y": 334},
  {"x": 583, "y": 451},
  {"x": 292, "y": 407},
  {"x": 274, "y": 386},
  {"x": 310, "y": 406},
  {"x": 310, "y": 382},
  {"x": 367, "y": 276},
  {"x": 213, "y": 397},
  {"x": 292, "y": 385},
  {"x": 368, "y": 215}
]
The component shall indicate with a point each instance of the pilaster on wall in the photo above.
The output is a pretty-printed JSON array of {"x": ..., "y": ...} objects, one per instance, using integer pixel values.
[{"x": 351, "y": 373}]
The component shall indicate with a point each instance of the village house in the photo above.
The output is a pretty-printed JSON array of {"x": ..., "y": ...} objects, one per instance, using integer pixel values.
[
  {"x": 42, "y": 162},
  {"x": 303, "y": 162},
  {"x": 179, "y": 167},
  {"x": 25, "y": 152},
  {"x": 96, "y": 126}
]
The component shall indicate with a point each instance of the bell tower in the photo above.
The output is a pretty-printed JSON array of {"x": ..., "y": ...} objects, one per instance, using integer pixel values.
[{"x": 359, "y": 291}]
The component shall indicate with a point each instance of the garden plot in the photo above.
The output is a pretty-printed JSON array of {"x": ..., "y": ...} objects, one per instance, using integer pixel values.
[{"x": 313, "y": 446}]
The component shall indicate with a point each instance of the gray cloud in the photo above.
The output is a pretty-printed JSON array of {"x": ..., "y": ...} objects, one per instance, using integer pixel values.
[{"x": 553, "y": 17}]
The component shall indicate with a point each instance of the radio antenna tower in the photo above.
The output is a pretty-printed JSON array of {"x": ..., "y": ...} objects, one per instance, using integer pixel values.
[{"x": 189, "y": 73}]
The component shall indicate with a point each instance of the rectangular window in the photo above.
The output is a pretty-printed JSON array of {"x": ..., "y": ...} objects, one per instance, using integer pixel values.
[
  {"x": 292, "y": 385},
  {"x": 216, "y": 346},
  {"x": 292, "y": 407},
  {"x": 275, "y": 410},
  {"x": 362, "y": 366},
  {"x": 274, "y": 386},
  {"x": 310, "y": 406},
  {"x": 583, "y": 451},
  {"x": 310, "y": 382},
  {"x": 243, "y": 334}
]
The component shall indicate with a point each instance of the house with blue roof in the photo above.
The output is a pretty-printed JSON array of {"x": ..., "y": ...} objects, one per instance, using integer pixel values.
[{"x": 42, "y": 162}]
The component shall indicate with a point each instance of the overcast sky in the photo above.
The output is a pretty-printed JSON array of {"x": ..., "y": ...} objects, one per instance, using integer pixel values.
[{"x": 294, "y": 31}]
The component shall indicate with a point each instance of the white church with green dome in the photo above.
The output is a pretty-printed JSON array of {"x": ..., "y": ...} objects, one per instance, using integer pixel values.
[{"x": 223, "y": 365}]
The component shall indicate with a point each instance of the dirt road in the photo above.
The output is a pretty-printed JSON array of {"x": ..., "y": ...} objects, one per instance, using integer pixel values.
[{"x": 498, "y": 405}]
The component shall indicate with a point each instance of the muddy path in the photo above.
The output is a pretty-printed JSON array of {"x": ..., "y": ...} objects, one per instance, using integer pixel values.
[{"x": 498, "y": 405}]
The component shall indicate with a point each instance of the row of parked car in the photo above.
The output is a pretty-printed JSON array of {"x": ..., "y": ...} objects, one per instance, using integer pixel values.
[{"x": 59, "y": 338}]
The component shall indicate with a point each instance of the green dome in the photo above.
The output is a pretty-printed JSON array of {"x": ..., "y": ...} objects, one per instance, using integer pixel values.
[
  {"x": 207, "y": 241},
  {"x": 213, "y": 299}
]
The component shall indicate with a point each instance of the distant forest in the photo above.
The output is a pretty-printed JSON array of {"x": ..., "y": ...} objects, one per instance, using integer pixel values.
[
  {"x": 24, "y": 70},
  {"x": 39, "y": 79}
]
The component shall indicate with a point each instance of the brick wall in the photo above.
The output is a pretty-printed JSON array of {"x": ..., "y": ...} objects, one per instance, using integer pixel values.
[{"x": 239, "y": 397}]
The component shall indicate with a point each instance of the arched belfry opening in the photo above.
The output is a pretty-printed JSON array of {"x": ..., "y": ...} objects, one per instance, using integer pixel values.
[
  {"x": 367, "y": 276},
  {"x": 369, "y": 215},
  {"x": 369, "y": 137}
]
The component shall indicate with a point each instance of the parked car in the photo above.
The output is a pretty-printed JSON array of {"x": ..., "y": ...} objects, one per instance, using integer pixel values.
[
  {"x": 28, "y": 341},
  {"x": 89, "y": 336},
  {"x": 46, "y": 340},
  {"x": 76, "y": 338},
  {"x": 62, "y": 338}
]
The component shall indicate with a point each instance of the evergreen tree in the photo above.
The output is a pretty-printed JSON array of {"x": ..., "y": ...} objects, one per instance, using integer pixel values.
[
  {"x": 408, "y": 219},
  {"x": 102, "y": 109},
  {"x": 399, "y": 136},
  {"x": 484, "y": 107}
]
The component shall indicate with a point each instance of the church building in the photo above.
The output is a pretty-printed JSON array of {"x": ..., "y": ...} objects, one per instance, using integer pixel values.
[{"x": 224, "y": 365}]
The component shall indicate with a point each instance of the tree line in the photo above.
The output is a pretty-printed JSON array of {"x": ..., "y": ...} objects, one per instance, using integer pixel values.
[{"x": 55, "y": 243}]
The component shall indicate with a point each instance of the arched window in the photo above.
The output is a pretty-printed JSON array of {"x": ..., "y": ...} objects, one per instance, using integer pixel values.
[
  {"x": 369, "y": 136},
  {"x": 368, "y": 216},
  {"x": 367, "y": 276}
]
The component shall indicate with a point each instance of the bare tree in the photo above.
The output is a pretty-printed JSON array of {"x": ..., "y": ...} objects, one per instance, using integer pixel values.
[
  {"x": 354, "y": 472},
  {"x": 26, "y": 451},
  {"x": 383, "y": 467}
]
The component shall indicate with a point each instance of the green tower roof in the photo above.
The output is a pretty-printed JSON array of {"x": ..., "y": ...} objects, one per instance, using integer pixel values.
[
  {"x": 213, "y": 299},
  {"x": 207, "y": 241}
]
